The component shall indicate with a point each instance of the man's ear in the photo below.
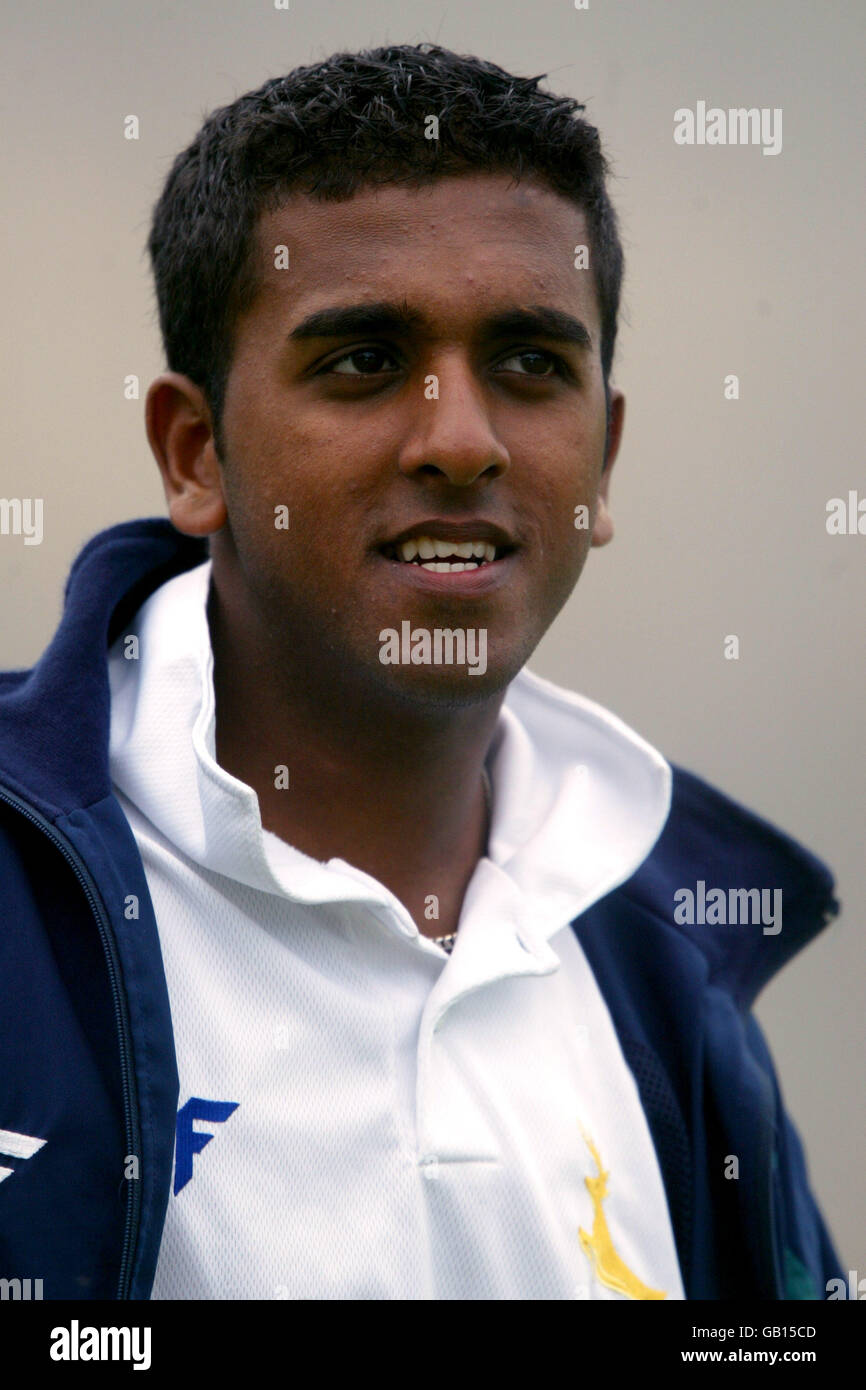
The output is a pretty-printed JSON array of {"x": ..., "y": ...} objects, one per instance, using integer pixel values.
[
  {"x": 180, "y": 432},
  {"x": 602, "y": 531}
]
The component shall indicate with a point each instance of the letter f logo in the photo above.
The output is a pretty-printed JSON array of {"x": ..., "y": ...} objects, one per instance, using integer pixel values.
[{"x": 190, "y": 1141}]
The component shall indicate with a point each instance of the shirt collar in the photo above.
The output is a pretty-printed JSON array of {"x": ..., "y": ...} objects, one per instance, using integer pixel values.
[{"x": 579, "y": 799}]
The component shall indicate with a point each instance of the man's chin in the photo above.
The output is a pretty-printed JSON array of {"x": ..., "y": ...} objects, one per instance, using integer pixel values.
[
  {"x": 479, "y": 675},
  {"x": 448, "y": 690}
]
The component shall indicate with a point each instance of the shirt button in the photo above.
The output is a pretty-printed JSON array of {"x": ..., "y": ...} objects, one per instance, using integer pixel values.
[{"x": 430, "y": 1167}]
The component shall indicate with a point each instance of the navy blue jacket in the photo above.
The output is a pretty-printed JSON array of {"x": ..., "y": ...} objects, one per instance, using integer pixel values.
[{"x": 87, "y": 1059}]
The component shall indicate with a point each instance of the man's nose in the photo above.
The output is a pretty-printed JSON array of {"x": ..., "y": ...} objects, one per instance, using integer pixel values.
[{"x": 451, "y": 432}]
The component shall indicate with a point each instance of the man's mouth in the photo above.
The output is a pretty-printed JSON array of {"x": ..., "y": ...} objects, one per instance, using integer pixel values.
[{"x": 445, "y": 556}]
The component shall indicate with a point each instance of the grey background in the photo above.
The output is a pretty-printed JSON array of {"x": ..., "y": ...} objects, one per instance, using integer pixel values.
[{"x": 736, "y": 262}]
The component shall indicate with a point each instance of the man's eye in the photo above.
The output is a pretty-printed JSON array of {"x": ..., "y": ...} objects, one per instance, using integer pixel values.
[
  {"x": 542, "y": 364},
  {"x": 372, "y": 361},
  {"x": 363, "y": 362}
]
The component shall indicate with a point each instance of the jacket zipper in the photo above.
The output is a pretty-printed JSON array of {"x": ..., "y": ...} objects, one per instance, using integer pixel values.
[{"x": 132, "y": 1130}]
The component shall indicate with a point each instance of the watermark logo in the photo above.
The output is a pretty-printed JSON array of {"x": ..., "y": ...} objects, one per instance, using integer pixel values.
[
  {"x": 443, "y": 646},
  {"x": 76, "y": 1343},
  {"x": 737, "y": 907},
  {"x": 736, "y": 126},
  {"x": 22, "y": 516},
  {"x": 855, "y": 1288},
  {"x": 847, "y": 520},
  {"x": 22, "y": 1290}
]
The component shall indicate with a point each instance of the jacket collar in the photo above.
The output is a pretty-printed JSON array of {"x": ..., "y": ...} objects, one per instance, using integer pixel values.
[
  {"x": 54, "y": 745},
  {"x": 54, "y": 719},
  {"x": 712, "y": 840}
]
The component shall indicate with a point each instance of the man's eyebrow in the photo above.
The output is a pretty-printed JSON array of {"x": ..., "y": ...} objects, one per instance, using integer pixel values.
[
  {"x": 539, "y": 321},
  {"x": 343, "y": 320}
]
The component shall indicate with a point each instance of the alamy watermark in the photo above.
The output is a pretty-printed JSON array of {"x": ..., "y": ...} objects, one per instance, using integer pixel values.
[
  {"x": 21, "y": 1290},
  {"x": 738, "y": 125},
  {"x": 846, "y": 519},
  {"x": 77, "y": 1343},
  {"x": 855, "y": 1288},
  {"x": 443, "y": 646},
  {"x": 737, "y": 906},
  {"x": 22, "y": 516}
]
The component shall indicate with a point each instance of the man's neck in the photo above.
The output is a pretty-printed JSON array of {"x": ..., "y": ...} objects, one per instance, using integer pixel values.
[{"x": 394, "y": 791}]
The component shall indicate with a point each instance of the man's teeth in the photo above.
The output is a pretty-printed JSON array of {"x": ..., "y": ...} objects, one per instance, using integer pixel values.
[{"x": 433, "y": 554}]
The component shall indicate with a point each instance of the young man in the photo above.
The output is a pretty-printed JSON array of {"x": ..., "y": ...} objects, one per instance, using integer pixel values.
[{"x": 344, "y": 958}]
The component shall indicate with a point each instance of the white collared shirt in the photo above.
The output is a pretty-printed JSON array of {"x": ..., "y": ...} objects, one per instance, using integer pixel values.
[{"x": 387, "y": 1121}]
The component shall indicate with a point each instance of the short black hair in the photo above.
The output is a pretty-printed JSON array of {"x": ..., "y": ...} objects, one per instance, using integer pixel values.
[{"x": 330, "y": 129}]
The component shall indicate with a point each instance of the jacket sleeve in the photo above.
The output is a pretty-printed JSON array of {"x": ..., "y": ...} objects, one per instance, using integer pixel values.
[{"x": 804, "y": 1247}]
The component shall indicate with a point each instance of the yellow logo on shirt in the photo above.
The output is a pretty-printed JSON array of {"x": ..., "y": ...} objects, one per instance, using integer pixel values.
[{"x": 610, "y": 1269}]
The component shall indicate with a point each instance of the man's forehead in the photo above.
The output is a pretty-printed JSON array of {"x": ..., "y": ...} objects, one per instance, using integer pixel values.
[
  {"x": 477, "y": 232},
  {"x": 449, "y": 202}
]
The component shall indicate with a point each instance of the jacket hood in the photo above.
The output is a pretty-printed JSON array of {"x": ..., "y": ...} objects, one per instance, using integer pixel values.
[{"x": 54, "y": 754}]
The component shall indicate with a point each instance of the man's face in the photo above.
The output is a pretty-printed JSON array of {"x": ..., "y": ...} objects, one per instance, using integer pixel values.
[{"x": 443, "y": 417}]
